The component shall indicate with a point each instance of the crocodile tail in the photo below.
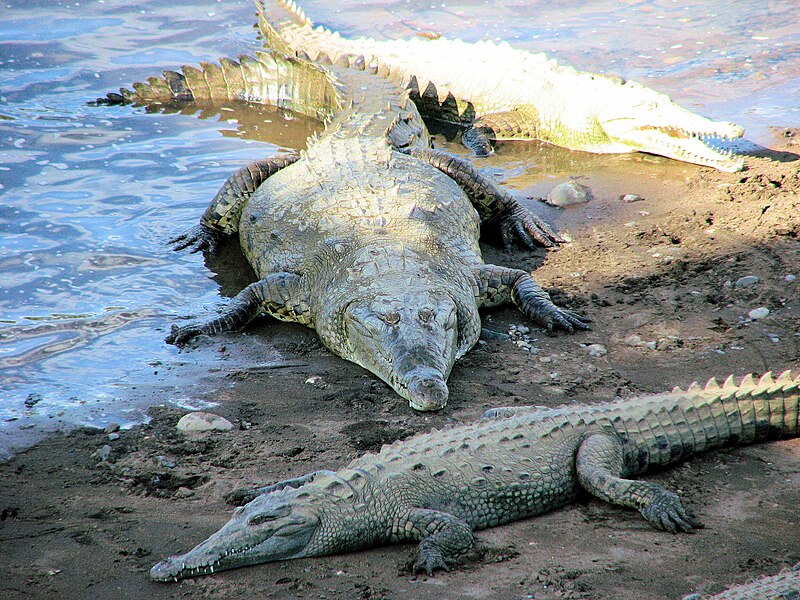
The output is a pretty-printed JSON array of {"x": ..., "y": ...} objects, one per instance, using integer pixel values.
[
  {"x": 280, "y": 22},
  {"x": 269, "y": 78},
  {"x": 685, "y": 422}
]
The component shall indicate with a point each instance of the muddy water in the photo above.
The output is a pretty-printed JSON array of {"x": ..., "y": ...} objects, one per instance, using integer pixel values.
[{"x": 89, "y": 195}]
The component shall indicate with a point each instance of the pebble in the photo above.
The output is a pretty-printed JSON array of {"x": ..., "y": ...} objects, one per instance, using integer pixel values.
[
  {"x": 165, "y": 462},
  {"x": 203, "y": 421},
  {"x": 184, "y": 492},
  {"x": 567, "y": 194},
  {"x": 113, "y": 436},
  {"x": 596, "y": 350},
  {"x": 758, "y": 313},
  {"x": 633, "y": 340},
  {"x": 111, "y": 428},
  {"x": 103, "y": 453},
  {"x": 790, "y": 278},
  {"x": 631, "y": 198},
  {"x": 746, "y": 281}
]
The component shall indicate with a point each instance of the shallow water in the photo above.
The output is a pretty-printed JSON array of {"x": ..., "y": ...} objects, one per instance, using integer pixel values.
[{"x": 89, "y": 195}]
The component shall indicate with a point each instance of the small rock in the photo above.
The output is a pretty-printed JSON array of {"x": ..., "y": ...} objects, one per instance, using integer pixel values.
[
  {"x": 633, "y": 340},
  {"x": 111, "y": 428},
  {"x": 113, "y": 436},
  {"x": 103, "y": 453},
  {"x": 790, "y": 278},
  {"x": 165, "y": 462},
  {"x": 651, "y": 345},
  {"x": 203, "y": 421},
  {"x": 184, "y": 492},
  {"x": 567, "y": 194},
  {"x": 758, "y": 313},
  {"x": 596, "y": 350},
  {"x": 317, "y": 381},
  {"x": 523, "y": 329},
  {"x": 746, "y": 281},
  {"x": 631, "y": 198}
]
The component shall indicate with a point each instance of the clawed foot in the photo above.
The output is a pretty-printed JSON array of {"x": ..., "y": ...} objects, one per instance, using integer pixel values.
[
  {"x": 179, "y": 336},
  {"x": 667, "y": 513},
  {"x": 242, "y": 496},
  {"x": 529, "y": 229},
  {"x": 200, "y": 237},
  {"x": 430, "y": 559},
  {"x": 568, "y": 320}
]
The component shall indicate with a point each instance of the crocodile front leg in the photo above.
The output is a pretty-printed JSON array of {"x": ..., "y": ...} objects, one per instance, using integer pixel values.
[
  {"x": 241, "y": 496},
  {"x": 444, "y": 537},
  {"x": 600, "y": 463},
  {"x": 498, "y": 285},
  {"x": 221, "y": 219},
  {"x": 278, "y": 294},
  {"x": 495, "y": 205}
]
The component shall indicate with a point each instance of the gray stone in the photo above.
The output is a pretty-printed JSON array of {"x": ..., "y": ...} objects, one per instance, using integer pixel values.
[
  {"x": 790, "y": 278},
  {"x": 203, "y": 421},
  {"x": 596, "y": 350},
  {"x": 567, "y": 194},
  {"x": 746, "y": 281},
  {"x": 631, "y": 198},
  {"x": 758, "y": 313}
]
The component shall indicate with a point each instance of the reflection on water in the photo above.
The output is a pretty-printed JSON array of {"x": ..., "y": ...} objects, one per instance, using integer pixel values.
[{"x": 90, "y": 194}]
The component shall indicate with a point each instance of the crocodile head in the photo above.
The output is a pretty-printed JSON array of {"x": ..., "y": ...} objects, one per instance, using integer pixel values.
[
  {"x": 409, "y": 339},
  {"x": 637, "y": 118},
  {"x": 275, "y": 526}
]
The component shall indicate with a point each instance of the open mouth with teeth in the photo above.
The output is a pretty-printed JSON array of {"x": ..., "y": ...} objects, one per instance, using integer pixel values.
[{"x": 689, "y": 146}]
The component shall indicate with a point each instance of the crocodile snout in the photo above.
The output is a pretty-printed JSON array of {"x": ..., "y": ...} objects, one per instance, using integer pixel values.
[{"x": 427, "y": 392}]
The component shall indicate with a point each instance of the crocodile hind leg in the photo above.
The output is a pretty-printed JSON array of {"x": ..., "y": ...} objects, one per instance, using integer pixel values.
[
  {"x": 498, "y": 285},
  {"x": 512, "y": 124},
  {"x": 495, "y": 205},
  {"x": 600, "y": 464},
  {"x": 279, "y": 294},
  {"x": 221, "y": 219}
]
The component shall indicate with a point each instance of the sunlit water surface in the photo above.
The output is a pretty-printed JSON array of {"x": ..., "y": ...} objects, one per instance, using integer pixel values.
[{"x": 89, "y": 195}]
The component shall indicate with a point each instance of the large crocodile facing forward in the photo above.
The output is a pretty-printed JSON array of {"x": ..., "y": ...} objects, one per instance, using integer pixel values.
[
  {"x": 514, "y": 463},
  {"x": 369, "y": 236},
  {"x": 505, "y": 93}
]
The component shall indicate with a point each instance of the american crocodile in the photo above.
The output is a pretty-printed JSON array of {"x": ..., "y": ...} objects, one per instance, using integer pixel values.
[
  {"x": 514, "y": 463},
  {"x": 783, "y": 586},
  {"x": 504, "y": 93},
  {"x": 369, "y": 236}
]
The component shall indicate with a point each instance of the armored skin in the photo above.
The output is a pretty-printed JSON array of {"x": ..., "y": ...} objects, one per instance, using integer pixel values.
[
  {"x": 369, "y": 236},
  {"x": 504, "y": 93},
  {"x": 783, "y": 586},
  {"x": 438, "y": 487}
]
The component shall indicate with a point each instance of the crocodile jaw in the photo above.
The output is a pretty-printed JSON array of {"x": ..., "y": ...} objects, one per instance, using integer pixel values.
[
  {"x": 269, "y": 528},
  {"x": 640, "y": 119}
]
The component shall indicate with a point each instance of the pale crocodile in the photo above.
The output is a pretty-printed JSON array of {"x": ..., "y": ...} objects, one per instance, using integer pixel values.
[
  {"x": 369, "y": 236},
  {"x": 783, "y": 586},
  {"x": 438, "y": 487},
  {"x": 504, "y": 93}
]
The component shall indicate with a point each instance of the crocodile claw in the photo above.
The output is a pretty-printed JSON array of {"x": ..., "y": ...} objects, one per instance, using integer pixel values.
[
  {"x": 179, "y": 336},
  {"x": 529, "y": 229},
  {"x": 197, "y": 238},
  {"x": 429, "y": 560},
  {"x": 667, "y": 513}
]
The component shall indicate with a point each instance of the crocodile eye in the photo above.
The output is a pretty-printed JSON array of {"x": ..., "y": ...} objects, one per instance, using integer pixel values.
[
  {"x": 392, "y": 318},
  {"x": 261, "y": 518},
  {"x": 425, "y": 315}
]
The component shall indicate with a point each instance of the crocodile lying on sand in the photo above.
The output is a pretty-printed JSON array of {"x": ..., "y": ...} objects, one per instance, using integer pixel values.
[
  {"x": 783, "y": 586},
  {"x": 369, "y": 236},
  {"x": 503, "y": 93},
  {"x": 514, "y": 463}
]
